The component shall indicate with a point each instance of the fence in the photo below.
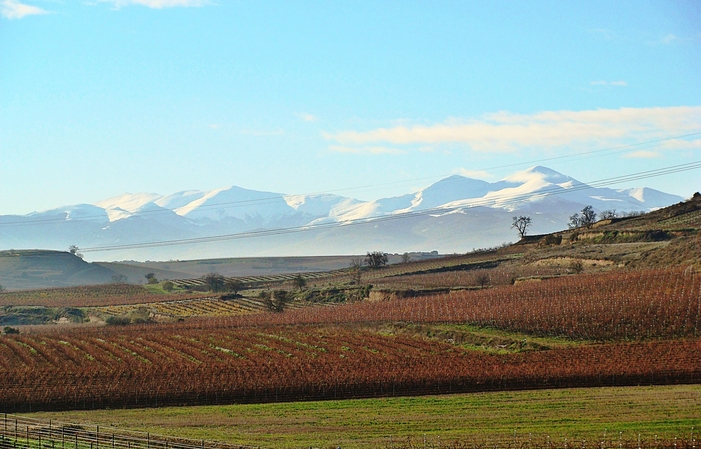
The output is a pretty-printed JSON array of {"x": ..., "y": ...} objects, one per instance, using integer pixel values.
[
  {"x": 17, "y": 432},
  {"x": 28, "y": 433}
]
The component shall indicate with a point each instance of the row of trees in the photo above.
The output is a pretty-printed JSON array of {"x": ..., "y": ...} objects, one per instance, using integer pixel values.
[{"x": 584, "y": 218}]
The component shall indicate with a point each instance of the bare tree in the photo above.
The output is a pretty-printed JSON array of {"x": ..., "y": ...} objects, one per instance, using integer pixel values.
[
  {"x": 587, "y": 218},
  {"x": 275, "y": 301},
  {"x": 119, "y": 278},
  {"x": 300, "y": 282},
  {"x": 521, "y": 224},
  {"x": 376, "y": 259},
  {"x": 576, "y": 266},
  {"x": 356, "y": 267},
  {"x": 73, "y": 249},
  {"x": 483, "y": 279},
  {"x": 609, "y": 214},
  {"x": 233, "y": 285}
]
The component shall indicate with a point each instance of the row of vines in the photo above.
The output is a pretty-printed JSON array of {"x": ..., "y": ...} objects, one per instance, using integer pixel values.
[
  {"x": 91, "y": 296},
  {"x": 610, "y": 306},
  {"x": 95, "y": 369},
  {"x": 648, "y": 320}
]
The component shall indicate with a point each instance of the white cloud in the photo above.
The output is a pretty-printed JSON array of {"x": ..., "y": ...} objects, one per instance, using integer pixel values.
[
  {"x": 12, "y": 9},
  {"x": 609, "y": 83},
  {"x": 643, "y": 154},
  {"x": 365, "y": 150},
  {"x": 262, "y": 133},
  {"x": 604, "y": 33},
  {"x": 508, "y": 132},
  {"x": 158, "y": 4},
  {"x": 678, "y": 144},
  {"x": 308, "y": 117},
  {"x": 668, "y": 39}
]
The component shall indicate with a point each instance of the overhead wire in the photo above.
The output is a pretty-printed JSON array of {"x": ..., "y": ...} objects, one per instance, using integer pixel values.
[
  {"x": 281, "y": 197},
  {"x": 507, "y": 199}
]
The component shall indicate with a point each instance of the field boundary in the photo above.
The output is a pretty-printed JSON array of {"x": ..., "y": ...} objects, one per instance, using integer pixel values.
[{"x": 30, "y": 433}]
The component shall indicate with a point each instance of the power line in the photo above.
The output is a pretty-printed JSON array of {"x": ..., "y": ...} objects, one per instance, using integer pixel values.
[
  {"x": 281, "y": 197},
  {"x": 508, "y": 199}
]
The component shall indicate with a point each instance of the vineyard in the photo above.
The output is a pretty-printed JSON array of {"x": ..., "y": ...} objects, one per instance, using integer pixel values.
[
  {"x": 319, "y": 362},
  {"x": 652, "y": 304},
  {"x": 91, "y": 296},
  {"x": 188, "y": 308},
  {"x": 459, "y": 279},
  {"x": 648, "y": 322}
]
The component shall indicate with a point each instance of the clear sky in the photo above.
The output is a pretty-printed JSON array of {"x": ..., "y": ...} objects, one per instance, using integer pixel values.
[{"x": 103, "y": 97}]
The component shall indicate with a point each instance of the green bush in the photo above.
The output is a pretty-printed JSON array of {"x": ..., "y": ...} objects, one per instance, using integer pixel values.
[{"x": 120, "y": 320}]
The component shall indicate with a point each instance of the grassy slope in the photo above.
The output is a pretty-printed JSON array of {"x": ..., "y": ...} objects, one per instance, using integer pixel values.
[
  {"x": 574, "y": 414},
  {"x": 25, "y": 269}
]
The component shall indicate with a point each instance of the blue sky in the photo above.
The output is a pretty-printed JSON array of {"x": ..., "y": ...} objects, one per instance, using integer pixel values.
[{"x": 364, "y": 99}]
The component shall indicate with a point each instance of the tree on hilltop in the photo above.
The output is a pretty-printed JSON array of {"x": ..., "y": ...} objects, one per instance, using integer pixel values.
[
  {"x": 376, "y": 259},
  {"x": 73, "y": 249},
  {"x": 586, "y": 218},
  {"x": 521, "y": 224}
]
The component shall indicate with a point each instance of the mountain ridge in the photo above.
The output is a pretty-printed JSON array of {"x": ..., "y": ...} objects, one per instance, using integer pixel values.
[{"x": 431, "y": 218}]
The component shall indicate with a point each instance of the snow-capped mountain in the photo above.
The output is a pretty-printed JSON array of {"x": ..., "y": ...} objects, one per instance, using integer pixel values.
[{"x": 455, "y": 214}]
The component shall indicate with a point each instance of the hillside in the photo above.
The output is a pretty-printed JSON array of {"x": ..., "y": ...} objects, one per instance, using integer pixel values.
[{"x": 32, "y": 269}]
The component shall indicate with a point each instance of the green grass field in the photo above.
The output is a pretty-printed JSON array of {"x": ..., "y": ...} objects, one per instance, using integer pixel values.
[{"x": 575, "y": 414}]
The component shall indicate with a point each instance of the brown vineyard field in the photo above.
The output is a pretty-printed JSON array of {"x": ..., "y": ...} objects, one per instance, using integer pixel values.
[
  {"x": 633, "y": 328},
  {"x": 91, "y": 296}
]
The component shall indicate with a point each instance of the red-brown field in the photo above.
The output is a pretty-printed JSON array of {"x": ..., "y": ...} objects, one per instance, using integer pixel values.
[
  {"x": 91, "y": 296},
  {"x": 651, "y": 304},
  {"x": 305, "y": 353}
]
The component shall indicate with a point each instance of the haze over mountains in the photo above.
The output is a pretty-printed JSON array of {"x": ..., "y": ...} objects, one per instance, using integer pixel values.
[{"x": 456, "y": 214}]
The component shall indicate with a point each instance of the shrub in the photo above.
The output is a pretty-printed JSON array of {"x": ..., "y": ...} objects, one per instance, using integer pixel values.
[
  {"x": 233, "y": 286},
  {"x": 576, "y": 266},
  {"x": 120, "y": 320},
  {"x": 214, "y": 282},
  {"x": 119, "y": 279}
]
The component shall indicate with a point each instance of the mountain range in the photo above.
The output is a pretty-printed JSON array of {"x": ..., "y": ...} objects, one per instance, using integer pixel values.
[{"x": 456, "y": 214}]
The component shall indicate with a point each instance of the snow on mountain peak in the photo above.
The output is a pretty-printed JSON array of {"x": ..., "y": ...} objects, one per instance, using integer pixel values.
[
  {"x": 637, "y": 193},
  {"x": 128, "y": 201},
  {"x": 538, "y": 172}
]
